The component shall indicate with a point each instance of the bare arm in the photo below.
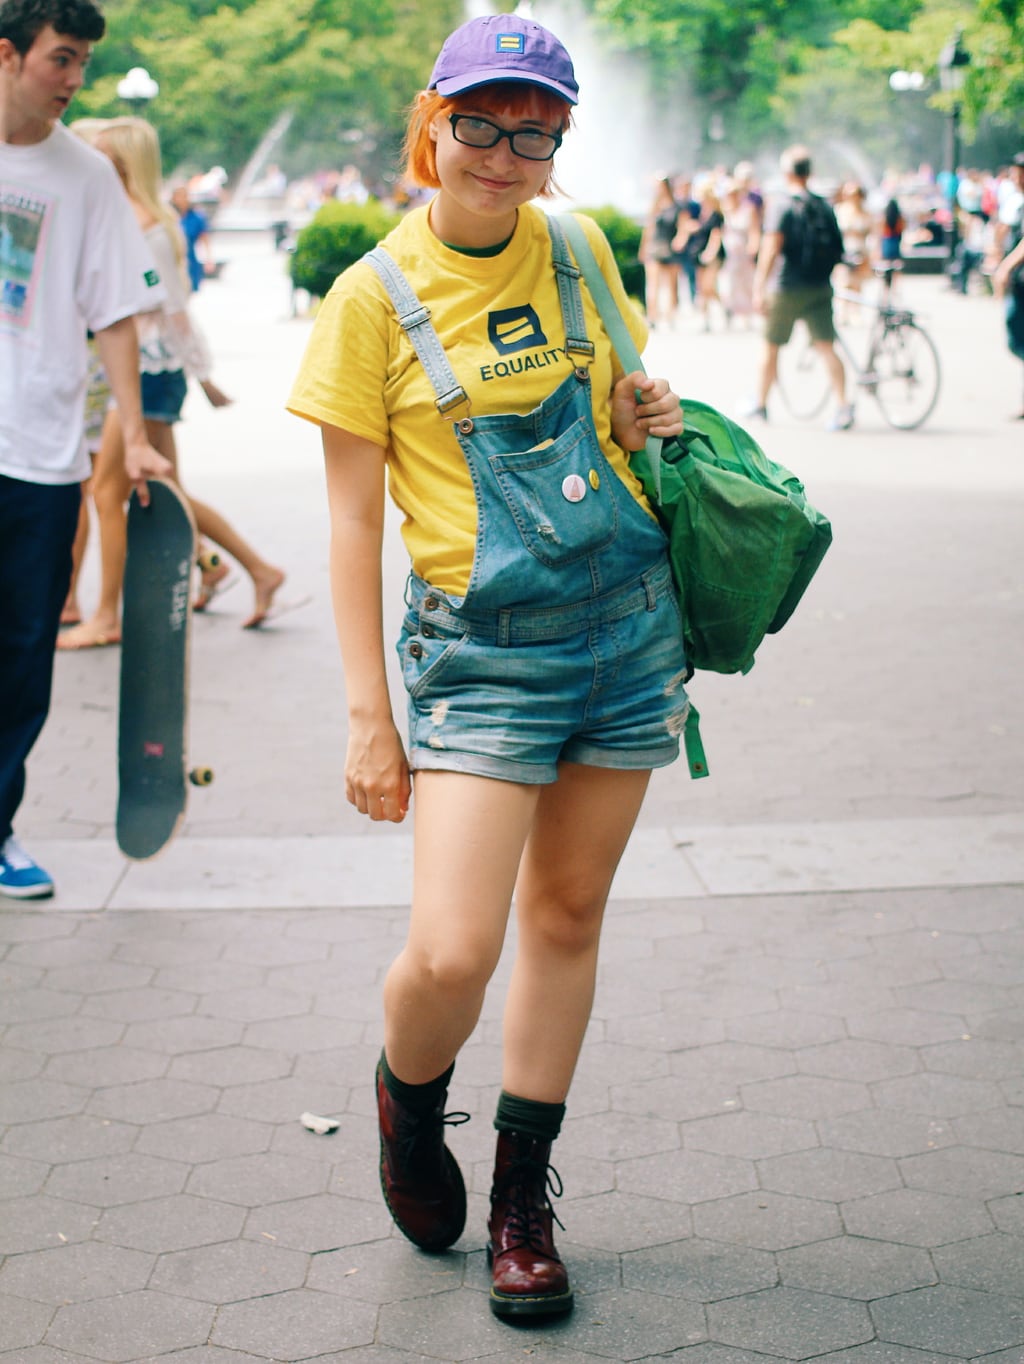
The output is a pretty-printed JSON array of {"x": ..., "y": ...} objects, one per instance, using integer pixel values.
[
  {"x": 119, "y": 351},
  {"x": 377, "y": 780},
  {"x": 771, "y": 245},
  {"x": 1005, "y": 268}
]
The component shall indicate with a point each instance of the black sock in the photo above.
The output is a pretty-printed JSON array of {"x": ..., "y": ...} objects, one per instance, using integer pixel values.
[
  {"x": 541, "y": 1121},
  {"x": 419, "y": 1098}
]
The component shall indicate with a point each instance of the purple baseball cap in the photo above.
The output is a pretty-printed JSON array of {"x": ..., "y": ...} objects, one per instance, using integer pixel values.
[{"x": 503, "y": 47}]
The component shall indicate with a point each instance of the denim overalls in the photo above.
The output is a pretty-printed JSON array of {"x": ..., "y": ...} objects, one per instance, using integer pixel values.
[{"x": 568, "y": 642}]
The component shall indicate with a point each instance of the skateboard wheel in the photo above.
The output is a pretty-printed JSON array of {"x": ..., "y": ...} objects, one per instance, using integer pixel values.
[
  {"x": 208, "y": 559},
  {"x": 201, "y": 776}
]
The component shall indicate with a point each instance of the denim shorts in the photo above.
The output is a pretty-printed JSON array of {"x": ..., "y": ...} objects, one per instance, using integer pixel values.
[
  {"x": 163, "y": 395},
  {"x": 511, "y": 694}
]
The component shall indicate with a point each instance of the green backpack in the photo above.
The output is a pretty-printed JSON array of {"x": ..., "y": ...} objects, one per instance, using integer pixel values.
[{"x": 743, "y": 540}]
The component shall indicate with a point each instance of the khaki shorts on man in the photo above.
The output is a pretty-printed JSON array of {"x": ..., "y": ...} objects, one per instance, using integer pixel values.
[{"x": 812, "y": 303}]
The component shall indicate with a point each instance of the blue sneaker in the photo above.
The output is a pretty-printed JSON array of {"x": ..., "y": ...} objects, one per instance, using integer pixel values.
[{"x": 20, "y": 877}]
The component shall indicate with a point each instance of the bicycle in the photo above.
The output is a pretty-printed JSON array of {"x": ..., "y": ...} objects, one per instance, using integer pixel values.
[{"x": 901, "y": 370}]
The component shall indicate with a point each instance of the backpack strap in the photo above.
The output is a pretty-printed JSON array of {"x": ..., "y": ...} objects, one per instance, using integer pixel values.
[
  {"x": 629, "y": 357},
  {"x": 614, "y": 324},
  {"x": 415, "y": 321}
]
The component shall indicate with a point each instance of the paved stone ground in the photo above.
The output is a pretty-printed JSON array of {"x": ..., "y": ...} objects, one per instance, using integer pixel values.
[{"x": 798, "y": 1128}]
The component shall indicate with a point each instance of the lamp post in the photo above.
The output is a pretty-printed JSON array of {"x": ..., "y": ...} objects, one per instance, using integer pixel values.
[
  {"x": 137, "y": 89},
  {"x": 954, "y": 60}
]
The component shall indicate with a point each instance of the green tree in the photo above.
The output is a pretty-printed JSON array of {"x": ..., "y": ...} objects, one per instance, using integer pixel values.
[{"x": 228, "y": 68}]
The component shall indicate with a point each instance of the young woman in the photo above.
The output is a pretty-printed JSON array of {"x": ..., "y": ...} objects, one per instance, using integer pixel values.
[
  {"x": 170, "y": 348},
  {"x": 541, "y": 645},
  {"x": 661, "y": 268}
]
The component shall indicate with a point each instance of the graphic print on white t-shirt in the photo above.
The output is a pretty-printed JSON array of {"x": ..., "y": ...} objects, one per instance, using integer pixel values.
[{"x": 24, "y": 219}]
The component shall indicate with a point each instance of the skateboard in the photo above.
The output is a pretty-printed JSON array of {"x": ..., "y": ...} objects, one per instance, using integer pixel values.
[{"x": 155, "y": 646}]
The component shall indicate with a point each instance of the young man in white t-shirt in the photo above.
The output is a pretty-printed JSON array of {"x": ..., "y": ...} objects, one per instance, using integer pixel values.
[{"x": 72, "y": 259}]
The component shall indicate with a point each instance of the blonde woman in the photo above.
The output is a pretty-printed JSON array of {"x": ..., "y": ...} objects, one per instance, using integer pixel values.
[{"x": 170, "y": 348}]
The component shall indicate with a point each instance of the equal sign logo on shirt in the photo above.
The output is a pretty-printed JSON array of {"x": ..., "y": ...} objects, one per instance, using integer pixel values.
[{"x": 510, "y": 42}]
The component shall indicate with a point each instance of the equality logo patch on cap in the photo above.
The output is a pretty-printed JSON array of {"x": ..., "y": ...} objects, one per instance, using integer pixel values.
[{"x": 510, "y": 42}]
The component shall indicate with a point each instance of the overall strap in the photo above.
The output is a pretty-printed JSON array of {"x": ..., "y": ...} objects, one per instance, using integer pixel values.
[
  {"x": 415, "y": 321},
  {"x": 570, "y": 299}
]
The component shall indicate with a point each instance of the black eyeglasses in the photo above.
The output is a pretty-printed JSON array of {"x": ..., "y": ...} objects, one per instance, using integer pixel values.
[{"x": 525, "y": 142}]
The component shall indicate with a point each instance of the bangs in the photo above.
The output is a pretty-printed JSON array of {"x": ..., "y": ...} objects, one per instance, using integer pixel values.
[{"x": 514, "y": 99}]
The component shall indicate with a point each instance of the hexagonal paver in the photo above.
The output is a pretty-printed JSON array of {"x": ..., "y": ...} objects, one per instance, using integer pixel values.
[
  {"x": 20, "y": 1178},
  {"x": 230, "y": 1272},
  {"x": 941, "y": 1096},
  {"x": 131, "y": 1326},
  {"x": 324, "y": 1222},
  {"x": 766, "y": 1221},
  {"x": 675, "y": 1100},
  {"x": 32, "y": 1101},
  {"x": 1001, "y": 1129},
  {"x": 887, "y": 1134},
  {"x": 383, "y": 1271},
  {"x": 452, "y": 1326},
  {"x": 184, "y": 1033},
  {"x": 74, "y": 1138},
  {"x": 620, "y": 1325},
  {"x": 107, "y": 1066},
  {"x": 75, "y": 1273},
  {"x": 703, "y": 1271},
  {"x": 790, "y": 1322},
  {"x": 858, "y": 1059},
  {"x": 951, "y": 1320},
  {"x": 39, "y": 1223},
  {"x": 856, "y": 1268},
  {"x": 810, "y": 1097},
  {"x": 615, "y": 1222},
  {"x": 685, "y": 1176},
  {"x": 110, "y": 1180},
  {"x": 298, "y": 1324},
  {"x": 750, "y": 1135},
  {"x": 22, "y": 1325},
  {"x": 169, "y": 1224},
  {"x": 258, "y": 1179},
  {"x": 211, "y": 1136},
  {"x": 906, "y": 1027},
  {"x": 615, "y": 1136},
  {"x": 283, "y": 1100},
  {"x": 990, "y": 1264},
  {"x": 786, "y": 1028},
  {"x": 965, "y": 1171},
  {"x": 153, "y": 1101},
  {"x": 916, "y": 1218},
  {"x": 828, "y": 1174},
  {"x": 1008, "y": 1214},
  {"x": 225, "y": 1066}
]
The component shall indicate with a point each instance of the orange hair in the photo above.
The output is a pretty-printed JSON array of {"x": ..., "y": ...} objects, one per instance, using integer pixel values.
[{"x": 510, "y": 98}]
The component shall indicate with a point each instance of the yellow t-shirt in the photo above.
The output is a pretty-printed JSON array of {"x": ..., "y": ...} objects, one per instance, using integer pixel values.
[{"x": 499, "y": 321}]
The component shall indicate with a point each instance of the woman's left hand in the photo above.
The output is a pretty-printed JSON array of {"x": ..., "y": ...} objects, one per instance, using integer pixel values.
[{"x": 643, "y": 406}]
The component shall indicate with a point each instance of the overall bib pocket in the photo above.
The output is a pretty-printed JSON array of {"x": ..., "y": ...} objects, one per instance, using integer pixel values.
[{"x": 559, "y": 494}]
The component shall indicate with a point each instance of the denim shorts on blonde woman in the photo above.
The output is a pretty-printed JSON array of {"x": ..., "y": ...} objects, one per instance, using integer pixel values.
[
  {"x": 163, "y": 395},
  {"x": 510, "y": 694}
]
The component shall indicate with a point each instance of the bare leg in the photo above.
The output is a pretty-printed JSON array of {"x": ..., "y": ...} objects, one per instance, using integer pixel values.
[
  {"x": 580, "y": 830},
  {"x": 834, "y": 367},
  {"x": 265, "y": 577},
  {"x": 71, "y": 613},
  {"x": 110, "y": 489},
  {"x": 469, "y": 836},
  {"x": 769, "y": 373}
]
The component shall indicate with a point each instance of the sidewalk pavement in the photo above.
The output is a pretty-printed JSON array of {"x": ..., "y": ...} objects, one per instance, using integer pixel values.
[{"x": 797, "y": 1131}]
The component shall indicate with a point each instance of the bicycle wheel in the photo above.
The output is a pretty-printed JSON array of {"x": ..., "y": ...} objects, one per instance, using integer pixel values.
[
  {"x": 903, "y": 375},
  {"x": 802, "y": 379}
]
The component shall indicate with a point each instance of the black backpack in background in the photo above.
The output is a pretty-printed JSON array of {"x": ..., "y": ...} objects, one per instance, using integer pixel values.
[{"x": 814, "y": 243}]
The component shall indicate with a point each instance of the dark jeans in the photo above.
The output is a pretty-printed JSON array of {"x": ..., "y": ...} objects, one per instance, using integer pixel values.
[
  {"x": 37, "y": 529},
  {"x": 1015, "y": 321}
]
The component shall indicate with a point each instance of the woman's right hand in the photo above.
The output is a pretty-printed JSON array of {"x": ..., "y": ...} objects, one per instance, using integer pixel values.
[{"x": 377, "y": 779}]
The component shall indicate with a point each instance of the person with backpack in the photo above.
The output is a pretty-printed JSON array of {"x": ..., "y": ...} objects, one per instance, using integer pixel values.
[
  {"x": 802, "y": 234},
  {"x": 461, "y": 367}
]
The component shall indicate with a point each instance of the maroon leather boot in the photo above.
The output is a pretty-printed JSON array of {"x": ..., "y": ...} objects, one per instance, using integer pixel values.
[
  {"x": 419, "y": 1176},
  {"x": 529, "y": 1279}
]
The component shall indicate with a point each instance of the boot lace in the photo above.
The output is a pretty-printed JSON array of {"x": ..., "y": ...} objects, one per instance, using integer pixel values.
[
  {"x": 521, "y": 1185},
  {"x": 420, "y": 1136}
]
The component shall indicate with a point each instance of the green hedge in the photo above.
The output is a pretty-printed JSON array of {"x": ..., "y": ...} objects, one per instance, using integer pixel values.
[
  {"x": 623, "y": 235},
  {"x": 334, "y": 239},
  {"x": 339, "y": 234}
]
